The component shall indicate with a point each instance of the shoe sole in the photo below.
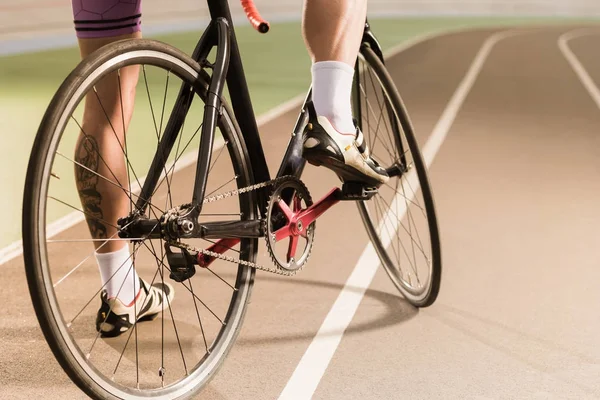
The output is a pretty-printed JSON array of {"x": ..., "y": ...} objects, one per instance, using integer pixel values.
[{"x": 149, "y": 316}]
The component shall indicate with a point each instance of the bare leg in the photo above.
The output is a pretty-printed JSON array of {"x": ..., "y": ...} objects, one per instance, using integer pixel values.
[
  {"x": 332, "y": 32},
  {"x": 101, "y": 150},
  {"x": 333, "y": 29},
  {"x": 101, "y": 147}
]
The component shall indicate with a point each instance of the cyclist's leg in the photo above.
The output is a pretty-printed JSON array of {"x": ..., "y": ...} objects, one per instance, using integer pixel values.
[
  {"x": 100, "y": 148},
  {"x": 332, "y": 31}
]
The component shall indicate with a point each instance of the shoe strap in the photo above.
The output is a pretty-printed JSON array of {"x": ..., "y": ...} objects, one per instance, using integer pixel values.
[{"x": 361, "y": 143}]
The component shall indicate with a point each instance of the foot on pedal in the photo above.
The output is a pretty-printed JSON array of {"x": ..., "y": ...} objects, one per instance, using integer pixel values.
[{"x": 357, "y": 191}]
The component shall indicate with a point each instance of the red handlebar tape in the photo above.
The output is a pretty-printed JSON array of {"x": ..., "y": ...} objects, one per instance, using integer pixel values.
[{"x": 254, "y": 17}]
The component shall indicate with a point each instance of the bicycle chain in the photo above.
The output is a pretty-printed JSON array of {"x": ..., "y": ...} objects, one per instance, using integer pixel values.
[{"x": 236, "y": 192}]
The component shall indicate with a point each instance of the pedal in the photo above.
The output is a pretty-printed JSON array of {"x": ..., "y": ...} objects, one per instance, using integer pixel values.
[
  {"x": 357, "y": 191},
  {"x": 182, "y": 264}
]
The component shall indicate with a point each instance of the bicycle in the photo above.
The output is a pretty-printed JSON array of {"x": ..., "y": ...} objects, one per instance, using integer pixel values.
[{"x": 280, "y": 210}]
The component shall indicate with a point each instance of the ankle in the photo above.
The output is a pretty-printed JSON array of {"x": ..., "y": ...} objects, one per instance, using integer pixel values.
[
  {"x": 342, "y": 125},
  {"x": 332, "y": 87}
]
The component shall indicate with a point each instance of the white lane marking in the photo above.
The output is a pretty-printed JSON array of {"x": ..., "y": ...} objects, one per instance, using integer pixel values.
[
  {"x": 312, "y": 366},
  {"x": 582, "y": 74},
  {"x": 15, "y": 249}
]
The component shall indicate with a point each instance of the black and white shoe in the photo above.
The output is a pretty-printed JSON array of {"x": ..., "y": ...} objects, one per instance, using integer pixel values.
[
  {"x": 114, "y": 317},
  {"x": 345, "y": 154}
]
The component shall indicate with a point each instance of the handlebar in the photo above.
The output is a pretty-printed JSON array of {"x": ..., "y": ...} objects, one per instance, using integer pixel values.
[{"x": 254, "y": 17}]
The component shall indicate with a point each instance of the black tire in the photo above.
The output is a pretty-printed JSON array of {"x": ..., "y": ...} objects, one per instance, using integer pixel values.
[
  {"x": 371, "y": 78},
  {"x": 49, "y": 313}
]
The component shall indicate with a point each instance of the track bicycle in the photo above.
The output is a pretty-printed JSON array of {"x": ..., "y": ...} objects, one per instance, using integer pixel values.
[{"x": 196, "y": 216}]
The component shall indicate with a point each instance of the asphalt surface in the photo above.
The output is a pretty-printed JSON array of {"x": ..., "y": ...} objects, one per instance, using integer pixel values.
[{"x": 516, "y": 184}]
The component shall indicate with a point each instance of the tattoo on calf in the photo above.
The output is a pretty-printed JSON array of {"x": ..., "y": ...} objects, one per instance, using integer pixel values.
[{"x": 88, "y": 155}]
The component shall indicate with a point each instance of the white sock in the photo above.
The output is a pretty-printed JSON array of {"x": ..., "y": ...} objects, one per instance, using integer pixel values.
[
  {"x": 116, "y": 269},
  {"x": 331, "y": 91}
]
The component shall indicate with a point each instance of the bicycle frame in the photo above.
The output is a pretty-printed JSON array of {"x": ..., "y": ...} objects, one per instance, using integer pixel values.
[{"x": 228, "y": 68}]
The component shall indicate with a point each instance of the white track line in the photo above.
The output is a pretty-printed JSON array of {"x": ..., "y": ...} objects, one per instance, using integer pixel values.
[
  {"x": 312, "y": 366},
  {"x": 15, "y": 249},
  {"x": 582, "y": 74}
]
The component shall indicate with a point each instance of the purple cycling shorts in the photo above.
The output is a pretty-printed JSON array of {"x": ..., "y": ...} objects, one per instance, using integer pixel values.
[{"x": 106, "y": 18}]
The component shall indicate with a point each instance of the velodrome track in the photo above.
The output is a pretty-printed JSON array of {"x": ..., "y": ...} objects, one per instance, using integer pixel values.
[{"x": 509, "y": 119}]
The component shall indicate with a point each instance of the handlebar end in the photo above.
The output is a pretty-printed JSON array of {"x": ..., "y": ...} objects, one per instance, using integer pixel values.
[{"x": 263, "y": 27}]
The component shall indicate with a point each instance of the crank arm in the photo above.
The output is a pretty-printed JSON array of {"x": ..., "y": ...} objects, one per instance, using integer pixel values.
[{"x": 298, "y": 225}]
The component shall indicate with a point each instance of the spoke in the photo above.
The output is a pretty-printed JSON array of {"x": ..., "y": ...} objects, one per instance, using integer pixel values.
[
  {"x": 162, "y": 117},
  {"x": 88, "y": 257},
  {"x": 92, "y": 240},
  {"x": 411, "y": 220},
  {"x": 172, "y": 167},
  {"x": 405, "y": 252},
  {"x": 419, "y": 245},
  {"x": 101, "y": 158},
  {"x": 132, "y": 330},
  {"x": 102, "y": 287},
  {"x": 159, "y": 268},
  {"x": 405, "y": 197},
  {"x": 129, "y": 166},
  {"x": 378, "y": 120},
  {"x": 381, "y": 109},
  {"x": 129, "y": 193},
  {"x": 204, "y": 304},
  {"x": 177, "y": 154},
  {"x": 135, "y": 312},
  {"x": 150, "y": 99},
  {"x": 157, "y": 131},
  {"x": 383, "y": 219},
  {"x": 223, "y": 280},
  {"x": 366, "y": 106},
  {"x": 217, "y": 158},
  {"x": 109, "y": 120},
  {"x": 412, "y": 241},
  {"x": 198, "y": 315},
  {"x": 111, "y": 307},
  {"x": 84, "y": 213},
  {"x": 416, "y": 199},
  {"x": 370, "y": 111},
  {"x": 188, "y": 289},
  {"x": 162, "y": 316},
  {"x": 400, "y": 222},
  {"x": 221, "y": 215}
]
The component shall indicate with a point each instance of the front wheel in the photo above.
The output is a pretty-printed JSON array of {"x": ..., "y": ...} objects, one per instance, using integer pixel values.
[
  {"x": 176, "y": 354},
  {"x": 400, "y": 219}
]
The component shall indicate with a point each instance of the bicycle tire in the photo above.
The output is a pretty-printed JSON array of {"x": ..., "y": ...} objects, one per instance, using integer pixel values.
[
  {"x": 401, "y": 127},
  {"x": 70, "y": 357}
]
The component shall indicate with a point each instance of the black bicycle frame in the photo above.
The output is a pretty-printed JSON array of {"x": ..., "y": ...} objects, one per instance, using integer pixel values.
[{"x": 228, "y": 68}]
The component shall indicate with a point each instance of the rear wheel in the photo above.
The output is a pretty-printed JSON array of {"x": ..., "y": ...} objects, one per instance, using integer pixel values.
[
  {"x": 400, "y": 219},
  {"x": 176, "y": 354}
]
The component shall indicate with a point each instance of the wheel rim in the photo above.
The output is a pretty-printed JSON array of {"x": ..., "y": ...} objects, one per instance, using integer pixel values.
[
  {"x": 397, "y": 218},
  {"x": 64, "y": 283}
]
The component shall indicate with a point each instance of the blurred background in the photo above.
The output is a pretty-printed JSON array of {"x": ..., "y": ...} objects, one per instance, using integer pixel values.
[{"x": 27, "y": 18}]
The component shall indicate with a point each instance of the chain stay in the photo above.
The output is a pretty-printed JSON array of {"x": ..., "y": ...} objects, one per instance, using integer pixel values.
[{"x": 221, "y": 196}]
